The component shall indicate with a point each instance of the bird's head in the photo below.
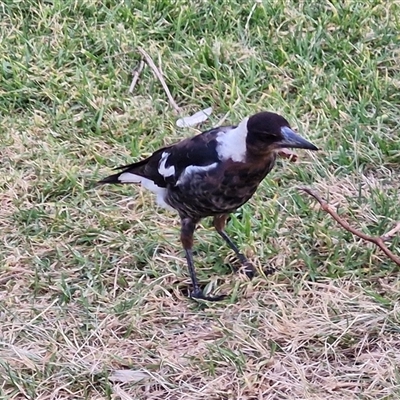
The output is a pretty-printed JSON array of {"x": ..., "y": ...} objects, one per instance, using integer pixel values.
[{"x": 269, "y": 131}]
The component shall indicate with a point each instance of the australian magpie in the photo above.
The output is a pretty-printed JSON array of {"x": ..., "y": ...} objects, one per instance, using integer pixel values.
[{"x": 213, "y": 174}]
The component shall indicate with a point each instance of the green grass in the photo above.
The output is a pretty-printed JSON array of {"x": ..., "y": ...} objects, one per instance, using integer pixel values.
[{"x": 93, "y": 280}]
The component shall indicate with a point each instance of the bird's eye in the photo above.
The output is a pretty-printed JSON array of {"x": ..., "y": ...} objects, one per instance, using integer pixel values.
[{"x": 271, "y": 135}]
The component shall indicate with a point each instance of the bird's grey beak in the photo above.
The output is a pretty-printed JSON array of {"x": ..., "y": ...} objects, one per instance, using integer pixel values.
[{"x": 292, "y": 140}]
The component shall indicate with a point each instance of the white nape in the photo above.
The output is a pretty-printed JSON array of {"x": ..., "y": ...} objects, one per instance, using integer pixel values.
[
  {"x": 190, "y": 170},
  {"x": 127, "y": 177},
  {"x": 232, "y": 143},
  {"x": 162, "y": 170}
]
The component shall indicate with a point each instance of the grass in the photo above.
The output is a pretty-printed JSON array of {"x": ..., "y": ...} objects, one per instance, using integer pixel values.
[{"x": 93, "y": 282}]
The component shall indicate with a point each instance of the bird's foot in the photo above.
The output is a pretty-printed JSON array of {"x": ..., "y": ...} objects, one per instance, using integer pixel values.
[
  {"x": 250, "y": 270},
  {"x": 246, "y": 268},
  {"x": 199, "y": 294},
  {"x": 269, "y": 271}
]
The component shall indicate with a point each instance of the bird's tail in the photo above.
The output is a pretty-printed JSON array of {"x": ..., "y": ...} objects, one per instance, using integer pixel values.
[
  {"x": 109, "y": 179},
  {"x": 128, "y": 174},
  {"x": 122, "y": 177}
]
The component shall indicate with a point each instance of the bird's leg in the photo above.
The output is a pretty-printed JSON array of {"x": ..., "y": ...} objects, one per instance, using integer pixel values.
[
  {"x": 219, "y": 225},
  {"x": 188, "y": 226}
]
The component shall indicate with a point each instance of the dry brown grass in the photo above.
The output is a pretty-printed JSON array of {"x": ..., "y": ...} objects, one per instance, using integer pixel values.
[{"x": 317, "y": 340}]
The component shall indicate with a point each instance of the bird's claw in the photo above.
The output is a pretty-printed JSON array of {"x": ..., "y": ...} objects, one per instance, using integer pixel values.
[
  {"x": 269, "y": 271},
  {"x": 249, "y": 269},
  {"x": 199, "y": 294},
  {"x": 246, "y": 268}
]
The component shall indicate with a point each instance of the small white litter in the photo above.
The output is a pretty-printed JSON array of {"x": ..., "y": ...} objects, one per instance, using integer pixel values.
[{"x": 194, "y": 119}]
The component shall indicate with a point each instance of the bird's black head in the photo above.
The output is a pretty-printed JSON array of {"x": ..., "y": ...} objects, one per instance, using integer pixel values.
[{"x": 267, "y": 130}]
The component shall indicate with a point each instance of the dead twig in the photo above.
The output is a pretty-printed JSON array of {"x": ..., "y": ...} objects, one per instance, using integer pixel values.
[
  {"x": 391, "y": 233},
  {"x": 159, "y": 76},
  {"x": 135, "y": 74},
  {"x": 378, "y": 241}
]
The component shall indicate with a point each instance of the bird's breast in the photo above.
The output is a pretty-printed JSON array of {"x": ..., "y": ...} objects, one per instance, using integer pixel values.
[{"x": 220, "y": 189}]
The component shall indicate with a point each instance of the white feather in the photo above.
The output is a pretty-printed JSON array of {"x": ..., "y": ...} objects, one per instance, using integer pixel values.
[
  {"x": 190, "y": 170},
  {"x": 162, "y": 170},
  {"x": 127, "y": 177},
  {"x": 194, "y": 119},
  {"x": 232, "y": 144}
]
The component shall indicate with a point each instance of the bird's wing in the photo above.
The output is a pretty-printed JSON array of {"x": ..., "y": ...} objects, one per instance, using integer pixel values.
[
  {"x": 169, "y": 165},
  {"x": 133, "y": 173}
]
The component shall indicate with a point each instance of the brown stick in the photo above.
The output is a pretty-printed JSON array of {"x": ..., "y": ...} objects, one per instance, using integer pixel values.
[
  {"x": 158, "y": 75},
  {"x": 392, "y": 232},
  {"x": 378, "y": 241},
  {"x": 135, "y": 75}
]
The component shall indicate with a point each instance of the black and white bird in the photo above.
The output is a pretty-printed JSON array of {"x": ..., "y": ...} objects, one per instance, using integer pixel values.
[{"x": 213, "y": 174}]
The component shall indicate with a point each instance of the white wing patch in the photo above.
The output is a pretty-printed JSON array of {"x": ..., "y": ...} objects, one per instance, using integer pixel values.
[
  {"x": 190, "y": 170},
  {"x": 162, "y": 170},
  {"x": 127, "y": 177},
  {"x": 232, "y": 144}
]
